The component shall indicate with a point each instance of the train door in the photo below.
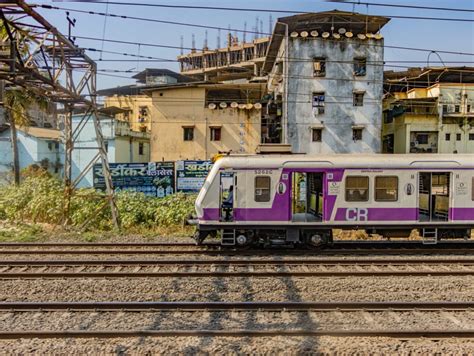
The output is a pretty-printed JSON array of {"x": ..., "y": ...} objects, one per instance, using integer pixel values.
[
  {"x": 433, "y": 196},
  {"x": 227, "y": 196},
  {"x": 307, "y": 197}
]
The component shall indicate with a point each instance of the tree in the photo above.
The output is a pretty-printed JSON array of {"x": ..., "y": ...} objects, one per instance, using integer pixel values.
[{"x": 17, "y": 102}]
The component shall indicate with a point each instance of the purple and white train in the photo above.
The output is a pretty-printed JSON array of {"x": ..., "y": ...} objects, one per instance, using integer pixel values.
[{"x": 299, "y": 199}]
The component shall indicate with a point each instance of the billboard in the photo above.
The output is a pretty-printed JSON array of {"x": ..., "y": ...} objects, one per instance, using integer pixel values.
[
  {"x": 190, "y": 175},
  {"x": 154, "y": 178}
]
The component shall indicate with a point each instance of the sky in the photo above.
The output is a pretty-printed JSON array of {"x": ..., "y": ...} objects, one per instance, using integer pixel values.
[{"x": 454, "y": 36}]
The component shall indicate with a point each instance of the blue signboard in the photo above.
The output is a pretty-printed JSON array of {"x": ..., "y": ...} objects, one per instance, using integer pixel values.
[
  {"x": 190, "y": 175},
  {"x": 154, "y": 179}
]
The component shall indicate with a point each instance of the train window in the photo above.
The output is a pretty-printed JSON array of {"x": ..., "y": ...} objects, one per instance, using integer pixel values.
[
  {"x": 386, "y": 188},
  {"x": 262, "y": 188},
  {"x": 357, "y": 188}
]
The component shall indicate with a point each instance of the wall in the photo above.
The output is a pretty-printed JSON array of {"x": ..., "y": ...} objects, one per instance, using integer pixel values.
[
  {"x": 132, "y": 102},
  {"x": 338, "y": 84},
  {"x": 174, "y": 108}
]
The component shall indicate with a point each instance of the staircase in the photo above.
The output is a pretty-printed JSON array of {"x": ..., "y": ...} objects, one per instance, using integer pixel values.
[
  {"x": 228, "y": 238},
  {"x": 429, "y": 236}
]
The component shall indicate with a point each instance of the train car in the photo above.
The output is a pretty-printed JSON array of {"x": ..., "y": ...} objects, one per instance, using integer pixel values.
[{"x": 300, "y": 199}]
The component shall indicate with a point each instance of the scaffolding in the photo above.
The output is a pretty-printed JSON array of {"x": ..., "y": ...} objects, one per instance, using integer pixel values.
[{"x": 47, "y": 63}]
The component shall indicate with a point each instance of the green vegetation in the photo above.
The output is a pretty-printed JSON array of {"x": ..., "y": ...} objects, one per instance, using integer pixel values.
[{"x": 40, "y": 200}]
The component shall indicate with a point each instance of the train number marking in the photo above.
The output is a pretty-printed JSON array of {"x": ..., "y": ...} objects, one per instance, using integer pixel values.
[
  {"x": 263, "y": 171},
  {"x": 357, "y": 214}
]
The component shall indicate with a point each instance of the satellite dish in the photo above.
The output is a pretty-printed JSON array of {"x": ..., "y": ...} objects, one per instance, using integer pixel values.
[
  {"x": 326, "y": 34},
  {"x": 61, "y": 126},
  {"x": 294, "y": 34},
  {"x": 234, "y": 105},
  {"x": 336, "y": 35},
  {"x": 342, "y": 31},
  {"x": 378, "y": 36},
  {"x": 249, "y": 106},
  {"x": 314, "y": 33},
  {"x": 242, "y": 106},
  {"x": 212, "y": 106},
  {"x": 369, "y": 35},
  {"x": 304, "y": 34},
  {"x": 257, "y": 106},
  {"x": 361, "y": 36},
  {"x": 223, "y": 105},
  {"x": 349, "y": 34}
]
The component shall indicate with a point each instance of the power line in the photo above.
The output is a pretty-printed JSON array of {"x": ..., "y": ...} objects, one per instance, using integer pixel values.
[
  {"x": 221, "y": 8},
  {"x": 229, "y": 29},
  {"x": 400, "y": 6},
  {"x": 375, "y": 45}
]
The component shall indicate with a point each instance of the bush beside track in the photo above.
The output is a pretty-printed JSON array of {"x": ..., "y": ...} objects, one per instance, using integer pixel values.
[{"x": 40, "y": 199}]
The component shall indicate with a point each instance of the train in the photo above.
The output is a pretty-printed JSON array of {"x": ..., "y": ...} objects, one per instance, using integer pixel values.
[{"x": 284, "y": 199}]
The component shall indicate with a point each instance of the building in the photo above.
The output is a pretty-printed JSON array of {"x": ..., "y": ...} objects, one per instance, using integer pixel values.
[
  {"x": 123, "y": 145},
  {"x": 128, "y": 103},
  {"x": 197, "y": 120},
  {"x": 325, "y": 75},
  {"x": 36, "y": 145},
  {"x": 429, "y": 110}
]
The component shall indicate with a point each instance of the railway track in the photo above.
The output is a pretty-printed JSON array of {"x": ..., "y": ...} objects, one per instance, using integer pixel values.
[
  {"x": 339, "y": 308},
  {"x": 359, "y": 248},
  {"x": 319, "y": 267}
]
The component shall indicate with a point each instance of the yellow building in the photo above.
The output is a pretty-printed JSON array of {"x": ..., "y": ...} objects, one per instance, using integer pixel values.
[
  {"x": 431, "y": 111},
  {"x": 128, "y": 103},
  {"x": 197, "y": 120}
]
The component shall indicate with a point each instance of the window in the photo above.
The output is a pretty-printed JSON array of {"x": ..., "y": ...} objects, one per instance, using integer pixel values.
[
  {"x": 262, "y": 188},
  {"x": 386, "y": 188},
  {"x": 456, "y": 108},
  {"x": 188, "y": 133},
  {"x": 458, "y": 137},
  {"x": 422, "y": 139},
  {"x": 215, "y": 133},
  {"x": 448, "y": 137},
  {"x": 106, "y": 144},
  {"x": 468, "y": 108},
  {"x": 358, "y": 99},
  {"x": 316, "y": 135},
  {"x": 445, "y": 109},
  {"x": 357, "y": 188},
  {"x": 360, "y": 67},
  {"x": 357, "y": 134},
  {"x": 471, "y": 137},
  {"x": 319, "y": 67},
  {"x": 318, "y": 102},
  {"x": 141, "y": 148}
]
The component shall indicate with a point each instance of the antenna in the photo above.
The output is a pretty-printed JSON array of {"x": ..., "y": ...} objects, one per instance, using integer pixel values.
[
  {"x": 205, "y": 47},
  {"x": 261, "y": 27},
  {"x": 182, "y": 45},
  {"x": 229, "y": 37},
  {"x": 270, "y": 24},
  {"x": 245, "y": 32},
  {"x": 256, "y": 28},
  {"x": 193, "y": 44}
]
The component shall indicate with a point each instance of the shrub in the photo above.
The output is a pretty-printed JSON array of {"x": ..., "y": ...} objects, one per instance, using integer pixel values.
[{"x": 40, "y": 198}]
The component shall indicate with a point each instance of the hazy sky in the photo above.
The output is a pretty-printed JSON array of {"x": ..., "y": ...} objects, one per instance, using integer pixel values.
[{"x": 437, "y": 35}]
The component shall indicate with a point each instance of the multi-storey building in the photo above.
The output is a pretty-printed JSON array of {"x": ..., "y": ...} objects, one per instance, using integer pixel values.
[
  {"x": 325, "y": 75},
  {"x": 429, "y": 110},
  {"x": 128, "y": 103}
]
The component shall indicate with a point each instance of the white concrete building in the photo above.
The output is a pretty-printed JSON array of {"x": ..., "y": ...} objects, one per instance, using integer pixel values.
[{"x": 326, "y": 75}]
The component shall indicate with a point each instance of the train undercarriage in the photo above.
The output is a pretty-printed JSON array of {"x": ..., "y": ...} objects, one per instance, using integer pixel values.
[{"x": 321, "y": 237}]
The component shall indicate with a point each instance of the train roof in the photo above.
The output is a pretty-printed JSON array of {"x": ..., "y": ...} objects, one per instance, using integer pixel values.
[{"x": 349, "y": 161}]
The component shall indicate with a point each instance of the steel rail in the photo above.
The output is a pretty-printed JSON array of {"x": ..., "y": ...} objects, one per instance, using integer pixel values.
[
  {"x": 101, "y": 244},
  {"x": 225, "y": 274},
  {"x": 398, "y": 334},
  {"x": 271, "y": 252},
  {"x": 242, "y": 262},
  {"x": 242, "y": 306}
]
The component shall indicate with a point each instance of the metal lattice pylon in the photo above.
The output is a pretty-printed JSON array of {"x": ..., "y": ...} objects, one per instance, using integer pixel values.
[{"x": 48, "y": 64}]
